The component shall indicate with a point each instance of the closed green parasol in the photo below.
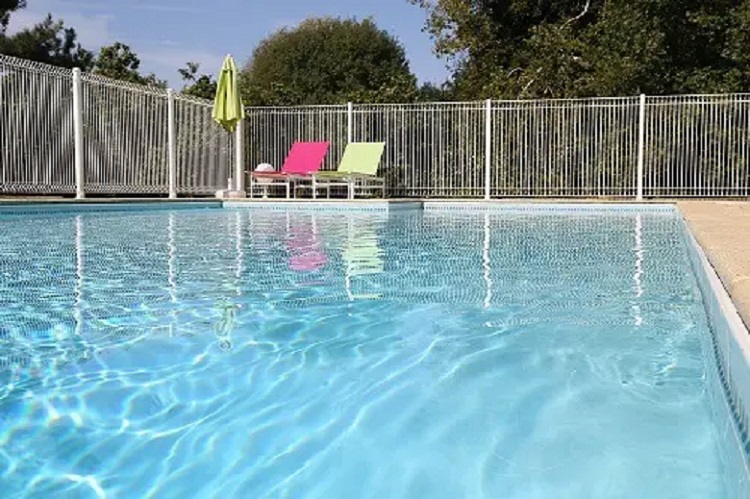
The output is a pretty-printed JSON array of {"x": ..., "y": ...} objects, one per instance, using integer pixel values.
[{"x": 228, "y": 109}]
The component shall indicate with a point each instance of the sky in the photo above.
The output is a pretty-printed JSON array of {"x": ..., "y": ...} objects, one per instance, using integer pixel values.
[{"x": 166, "y": 34}]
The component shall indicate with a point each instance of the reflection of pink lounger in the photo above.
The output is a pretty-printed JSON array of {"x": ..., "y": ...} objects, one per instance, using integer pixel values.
[
  {"x": 306, "y": 250},
  {"x": 304, "y": 159}
]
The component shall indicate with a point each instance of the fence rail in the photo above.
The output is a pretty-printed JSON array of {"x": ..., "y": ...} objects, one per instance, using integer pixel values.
[{"x": 64, "y": 132}]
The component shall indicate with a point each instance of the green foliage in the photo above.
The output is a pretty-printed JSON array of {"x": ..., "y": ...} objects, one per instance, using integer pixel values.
[
  {"x": 52, "y": 43},
  {"x": 48, "y": 42},
  {"x": 523, "y": 49},
  {"x": 328, "y": 61},
  {"x": 203, "y": 86},
  {"x": 119, "y": 62},
  {"x": 6, "y": 7},
  {"x": 430, "y": 92}
]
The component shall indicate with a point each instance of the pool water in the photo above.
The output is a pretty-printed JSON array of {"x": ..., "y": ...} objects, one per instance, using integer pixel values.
[{"x": 436, "y": 354}]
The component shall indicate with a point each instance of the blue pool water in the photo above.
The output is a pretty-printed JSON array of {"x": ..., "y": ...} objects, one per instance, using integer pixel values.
[{"x": 253, "y": 353}]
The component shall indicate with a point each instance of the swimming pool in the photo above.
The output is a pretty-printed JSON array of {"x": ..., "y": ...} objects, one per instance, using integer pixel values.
[{"x": 330, "y": 353}]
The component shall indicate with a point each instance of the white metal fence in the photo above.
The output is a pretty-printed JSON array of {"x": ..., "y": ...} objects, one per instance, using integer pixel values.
[
  {"x": 67, "y": 132},
  {"x": 36, "y": 128},
  {"x": 629, "y": 147},
  {"x": 697, "y": 146},
  {"x": 565, "y": 148},
  {"x": 62, "y": 131}
]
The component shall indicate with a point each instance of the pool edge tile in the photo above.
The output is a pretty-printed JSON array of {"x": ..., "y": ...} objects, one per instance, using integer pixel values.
[{"x": 102, "y": 207}]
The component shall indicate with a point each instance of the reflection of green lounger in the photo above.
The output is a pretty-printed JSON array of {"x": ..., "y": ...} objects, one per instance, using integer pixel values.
[
  {"x": 357, "y": 170},
  {"x": 362, "y": 256}
]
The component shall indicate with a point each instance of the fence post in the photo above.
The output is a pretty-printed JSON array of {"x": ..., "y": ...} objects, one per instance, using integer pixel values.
[
  {"x": 78, "y": 133},
  {"x": 641, "y": 145},
  {"x": 239, "y": 156},
  {"x": 349, "y": 122},
  {"x": 171, "y": 145},
  {"x": 487, "y": 149}
]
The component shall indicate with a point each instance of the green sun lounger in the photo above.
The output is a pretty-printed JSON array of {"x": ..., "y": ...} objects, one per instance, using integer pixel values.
[{"x": 357, "y": 171}]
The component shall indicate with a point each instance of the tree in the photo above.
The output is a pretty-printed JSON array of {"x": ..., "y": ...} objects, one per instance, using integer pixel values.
[
  {"x": 119, "y": 62},
  {"x": 48, "y": 42},
  {"x": 203, "y": 86},
  {"x": 52, "y": 43},
  {"x": 579, "y": 48},
  {"x": 6, "y": 7},
  {"x": 328, "y": 61},
  {"x": 429, "y": 92}
]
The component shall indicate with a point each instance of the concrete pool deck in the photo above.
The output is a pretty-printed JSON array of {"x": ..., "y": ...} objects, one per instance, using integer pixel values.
[{"x": 722, "y": 228}]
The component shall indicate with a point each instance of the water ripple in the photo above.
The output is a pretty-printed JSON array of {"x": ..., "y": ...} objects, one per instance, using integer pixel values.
[{"x": 271, "y": 354}]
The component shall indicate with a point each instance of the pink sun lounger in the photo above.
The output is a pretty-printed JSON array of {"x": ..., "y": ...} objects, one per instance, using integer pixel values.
[{"x": 304, "y": 159}]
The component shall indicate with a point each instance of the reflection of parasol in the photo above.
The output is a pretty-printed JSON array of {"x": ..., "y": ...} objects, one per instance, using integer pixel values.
[
  {"x": 362, "y": 256},
  {"x": 223, "y": 328}
]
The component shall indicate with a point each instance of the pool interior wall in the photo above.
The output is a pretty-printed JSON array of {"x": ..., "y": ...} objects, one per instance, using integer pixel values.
[{"x": 728, "y": 345}]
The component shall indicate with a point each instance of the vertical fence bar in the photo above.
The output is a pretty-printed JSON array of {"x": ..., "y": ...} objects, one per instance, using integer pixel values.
[
  {"x": 239, "y": 156},
  {"x": 487, "y": 148},
  {"x": 78, "y": 132},
  {"x": 641, "y": 145},
  {"x": 171, "y": 145},
  {"x": 349, "y": 122}
]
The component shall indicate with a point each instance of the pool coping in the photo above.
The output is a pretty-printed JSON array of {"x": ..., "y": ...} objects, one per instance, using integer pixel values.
[{"x": 28, "y": 208}]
